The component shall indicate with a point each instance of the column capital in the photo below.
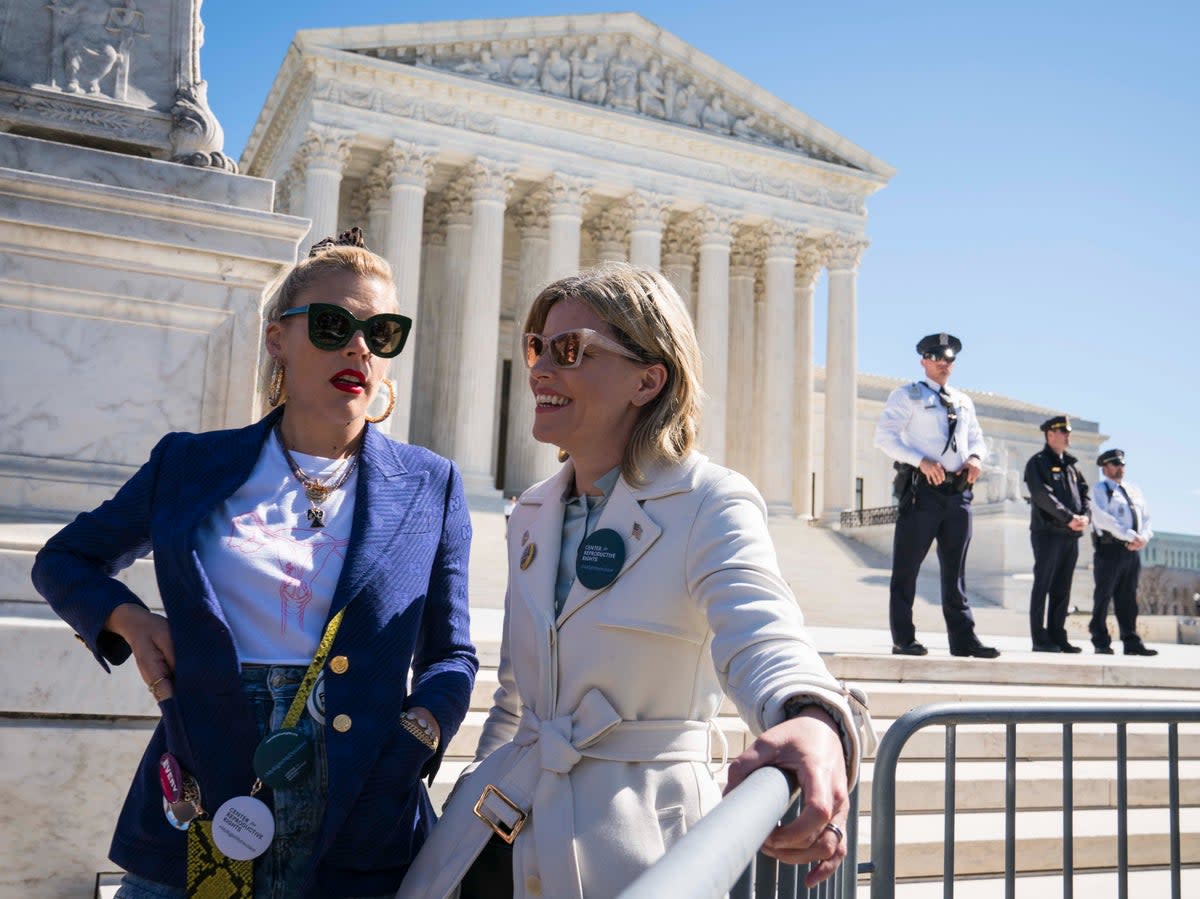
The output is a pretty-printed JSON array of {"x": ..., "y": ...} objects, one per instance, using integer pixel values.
[
  {"x": 568, "y": 194},
  {"x": 531, "y": 214},
  {"x": 781, "y": 238},
  {"x": 406, "y": 163},
  {"x": 434, "y": 222},
  {"x": 844, "y": 251},
  {"x": 490, "y": 181},
  {"x": 326, "y": 146},
  {"x": 648, "y": 211},
  {"x": 458, "y": 196},
  {"x": 746, "y": 251},
  {"x": 681, "y": 237},
  {"x": 810, "y": 259},
  {"x": 610, "y": 229},
  {"x": 716, "y": 224}
]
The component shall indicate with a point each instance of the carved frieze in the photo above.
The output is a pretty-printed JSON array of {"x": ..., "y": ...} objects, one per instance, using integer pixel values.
[
  {"x": 615, "y": 71},
  {"x": 376, "y": 99}
]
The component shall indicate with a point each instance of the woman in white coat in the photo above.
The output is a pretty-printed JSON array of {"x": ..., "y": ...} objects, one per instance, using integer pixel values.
[{"x": 643, "y": 586}]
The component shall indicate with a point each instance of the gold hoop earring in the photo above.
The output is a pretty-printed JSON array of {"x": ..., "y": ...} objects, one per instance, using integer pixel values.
[
  {"x": 391, "y": 403},
  {"x": 275, "y": 393}
]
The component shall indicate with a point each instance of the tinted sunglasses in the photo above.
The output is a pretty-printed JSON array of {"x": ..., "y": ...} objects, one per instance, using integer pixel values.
[
  {"x": 331, "y": 327},
  {"x": 566, "y": 348},
  {"x": 939, "y": 356}
]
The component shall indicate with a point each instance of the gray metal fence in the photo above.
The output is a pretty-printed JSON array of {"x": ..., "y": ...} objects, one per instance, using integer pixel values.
[
  {"x": 720, "y": 854},
  {"x": 950, "y": 715}
]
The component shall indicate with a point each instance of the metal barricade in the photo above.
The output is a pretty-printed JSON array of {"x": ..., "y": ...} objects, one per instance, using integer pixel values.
[
  {"x": 720, "y": 855},
  {"x": 882, "y": 866}
]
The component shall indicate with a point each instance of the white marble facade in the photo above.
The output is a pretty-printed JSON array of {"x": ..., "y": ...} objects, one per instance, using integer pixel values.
[{"x": 485, "y": 158}]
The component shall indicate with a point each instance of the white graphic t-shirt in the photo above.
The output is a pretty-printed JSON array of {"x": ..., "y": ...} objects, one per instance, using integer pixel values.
[{"x": 273, "y": 573}]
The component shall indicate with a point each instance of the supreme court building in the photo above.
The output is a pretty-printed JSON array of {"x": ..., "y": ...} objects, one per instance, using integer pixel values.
[{"x": 486, "y": 158}]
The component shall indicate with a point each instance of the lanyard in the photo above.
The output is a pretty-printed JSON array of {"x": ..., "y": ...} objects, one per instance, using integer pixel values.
[{"x": 310, "y": 678}]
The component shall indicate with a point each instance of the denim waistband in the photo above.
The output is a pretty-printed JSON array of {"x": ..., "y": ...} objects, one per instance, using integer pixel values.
[{"x": 271, "y": 677}]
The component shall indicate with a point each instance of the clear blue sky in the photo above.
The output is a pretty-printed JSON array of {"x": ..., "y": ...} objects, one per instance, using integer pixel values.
[{"x": 1045, "y": 205}]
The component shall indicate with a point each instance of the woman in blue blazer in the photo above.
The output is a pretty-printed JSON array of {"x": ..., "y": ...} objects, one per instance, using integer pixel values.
[{"x": 306, "y": 545}]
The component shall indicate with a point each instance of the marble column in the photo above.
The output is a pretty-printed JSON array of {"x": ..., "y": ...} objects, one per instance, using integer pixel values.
[
  {"x": 648, "y": 213},
  {"x": 777, "y": 362},
  {"x": 424, "y": 336},
  {"x": 679, "y": 258},
  {"x": 568, "y": 194},
  {"x": 741, "y": 436},
  {"x": 809, "y": 260},
  {"x": 712, "y": 322},
  {"x": 841, "y": 377},
  {"x": 526, "y": 461},
  {"x": 450, "y": 312},
  {"x": 408, "y": 167},
  {"x": 375, "y": 210},
  {"x": 325, "y": 151},
  {"x": 610, "y": 233},
  {"x": 479, "y": 328}
]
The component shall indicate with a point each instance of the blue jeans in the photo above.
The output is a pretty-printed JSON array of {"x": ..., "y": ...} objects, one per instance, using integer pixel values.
[{"x": 298, "y": 810}]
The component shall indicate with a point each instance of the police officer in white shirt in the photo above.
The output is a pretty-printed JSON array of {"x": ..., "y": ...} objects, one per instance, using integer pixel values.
[
  {"x": 1120, "y": 528},
  {"x": 931, "y": 432}
]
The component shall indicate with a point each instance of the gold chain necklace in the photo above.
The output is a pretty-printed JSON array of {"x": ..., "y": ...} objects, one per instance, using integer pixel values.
[{"x": 316, "y": 490}]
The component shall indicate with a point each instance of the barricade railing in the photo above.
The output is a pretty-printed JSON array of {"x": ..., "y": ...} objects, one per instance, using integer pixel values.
[
  {"x": 720, "y": 854},
  {"x": 1120, "y": 715},
  {"x": 858, "y": 518}
]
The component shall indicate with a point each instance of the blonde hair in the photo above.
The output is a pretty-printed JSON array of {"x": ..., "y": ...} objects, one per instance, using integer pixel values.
[
  {"x": 647, "y": 317},
  {"x": 323, "y": 261}
]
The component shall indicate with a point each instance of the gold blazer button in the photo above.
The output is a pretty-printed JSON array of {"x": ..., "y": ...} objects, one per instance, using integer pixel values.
[
  {"x": 341, "y": 723},
  {"x": 339, "y": 664}
]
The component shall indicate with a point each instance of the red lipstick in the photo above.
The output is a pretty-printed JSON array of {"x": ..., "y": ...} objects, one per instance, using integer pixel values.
[{"x": 349, "y": 381}]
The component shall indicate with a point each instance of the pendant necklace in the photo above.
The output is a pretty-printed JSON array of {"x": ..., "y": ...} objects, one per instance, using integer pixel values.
[{"x": 316, "y": 490}]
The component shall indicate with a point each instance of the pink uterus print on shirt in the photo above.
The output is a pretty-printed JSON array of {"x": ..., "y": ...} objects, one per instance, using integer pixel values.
[{"x": 300, "y": 561}]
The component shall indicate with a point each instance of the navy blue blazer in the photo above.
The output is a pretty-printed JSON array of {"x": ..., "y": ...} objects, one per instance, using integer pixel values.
[{"x": 404, "y": 587}]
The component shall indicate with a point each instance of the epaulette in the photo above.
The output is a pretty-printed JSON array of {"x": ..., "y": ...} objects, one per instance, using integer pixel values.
[{"x": 914, "y": 390}]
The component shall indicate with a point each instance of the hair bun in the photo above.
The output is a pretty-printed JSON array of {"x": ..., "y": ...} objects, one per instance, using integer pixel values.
[{"x": 351, "y": 238}]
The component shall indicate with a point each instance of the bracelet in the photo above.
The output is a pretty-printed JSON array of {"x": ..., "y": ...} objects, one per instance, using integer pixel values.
[
  {"x": 795, "y": 706},
  {"x": 419, "y": 728}
]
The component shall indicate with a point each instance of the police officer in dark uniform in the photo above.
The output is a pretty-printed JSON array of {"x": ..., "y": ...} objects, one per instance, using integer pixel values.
[
  {"x": 931, "y": 432},
  {"x": 1058, "y": 498}
]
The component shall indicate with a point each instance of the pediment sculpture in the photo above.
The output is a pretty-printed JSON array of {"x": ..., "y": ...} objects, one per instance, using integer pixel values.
[{"x": 617, "y": 72}]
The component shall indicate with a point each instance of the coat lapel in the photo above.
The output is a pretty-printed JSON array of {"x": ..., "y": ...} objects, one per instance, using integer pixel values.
[
  {"x": 625, "y": 515},
  {"x": 382, "y": 503},
  {"x": 535, "y": 583}
]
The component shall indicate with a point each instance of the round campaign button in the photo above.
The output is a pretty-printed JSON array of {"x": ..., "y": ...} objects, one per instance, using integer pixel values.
[
  {"x": 282, "y": 758},
  {"x": 243, "y": 828},
  {"x": 170, "y": 778},
  {"x": 316, "y": 700},
  {"x": 174, "y": 820},
  {"x": 600, "y": 558}
]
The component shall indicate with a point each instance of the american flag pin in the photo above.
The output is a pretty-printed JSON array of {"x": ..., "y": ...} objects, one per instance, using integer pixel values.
[{"x": 637, "y": 531}]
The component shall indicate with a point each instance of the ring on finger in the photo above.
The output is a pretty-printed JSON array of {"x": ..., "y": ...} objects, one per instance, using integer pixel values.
[
  {"x": 153, "y": 687},
  {"x": 836, "y": 831}
]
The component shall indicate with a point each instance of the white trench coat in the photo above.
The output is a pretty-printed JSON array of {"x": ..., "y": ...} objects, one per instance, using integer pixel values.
[{"x": 600, "y": 729}]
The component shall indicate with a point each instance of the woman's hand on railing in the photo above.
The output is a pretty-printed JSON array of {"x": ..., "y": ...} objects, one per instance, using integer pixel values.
[{"x": 809, "y": 749}]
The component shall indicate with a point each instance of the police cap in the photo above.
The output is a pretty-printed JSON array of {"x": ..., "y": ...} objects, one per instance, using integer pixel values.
[
  {"x": 1113, "y": 455},
  {"x": 1057, "y": 423},
  {"x": 940, "y": 346}
]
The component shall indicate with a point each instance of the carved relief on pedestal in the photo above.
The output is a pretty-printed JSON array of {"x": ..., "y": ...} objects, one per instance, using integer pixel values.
[
  {"x": 92, "y": 45},
  {"x": 615, "y": 71}
]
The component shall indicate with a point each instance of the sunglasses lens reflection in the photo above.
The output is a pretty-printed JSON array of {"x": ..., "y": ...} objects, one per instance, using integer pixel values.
[{"x": 329, "y": 327}]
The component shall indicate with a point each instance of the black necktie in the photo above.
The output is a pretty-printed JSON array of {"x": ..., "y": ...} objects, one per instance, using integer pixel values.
[
  {"x": 1132, "y": 510},
  {"x": 951, "y": 419}
]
